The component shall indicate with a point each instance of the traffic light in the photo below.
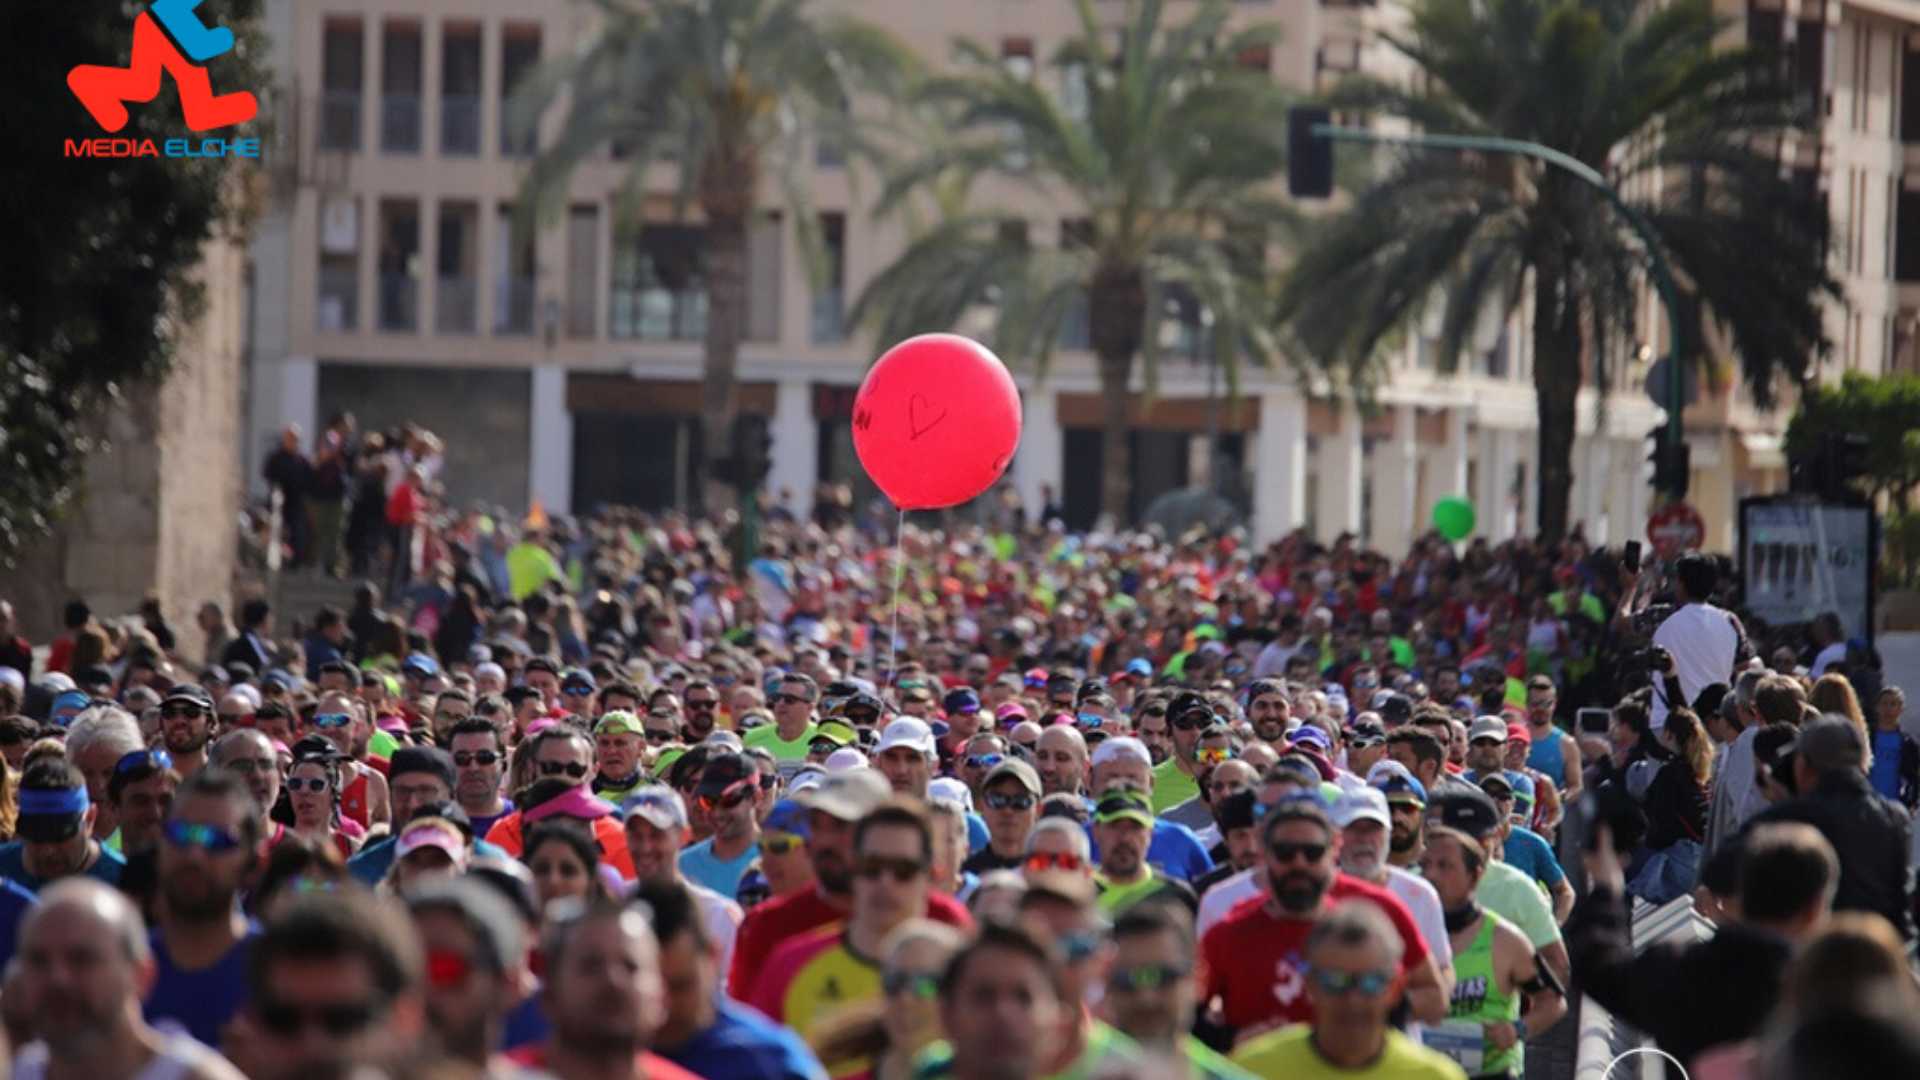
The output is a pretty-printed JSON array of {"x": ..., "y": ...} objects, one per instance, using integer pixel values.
[
  {"x": 1672, "y": 462},
  {"x": 1830, "y": 465},
  {"x": 1309, "y": 156},
  {"x": 752, "y": 458}
]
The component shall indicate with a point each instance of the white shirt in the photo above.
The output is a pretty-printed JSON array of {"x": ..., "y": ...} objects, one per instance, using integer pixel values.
[
  {"x": 1704, "y": 643},
  {"x": 723, "y": 919},
  {"x": 1272, "y": 660},
  {"x": 1424, "y": 904},
  {"x": 1223, "y": 898},
  {"x": 1735, "y": 795}
]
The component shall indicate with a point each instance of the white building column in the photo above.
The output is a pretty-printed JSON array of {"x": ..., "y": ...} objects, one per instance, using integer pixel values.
[
  {"x": 1395, "y": 467},
  {"x": 1279, "y": 466},
  {"x": 1595, "y": 482},
  {"x": 1446, "y": 468},
  {"x": 1040, "y": 459},
  {"x": 796, "y": 447},
  {"x": 1493, "y": 503},
  {"x": 550, "y": 441},
  {"x": 1338, "y": 471},
  {"x": 299, "y": 396}
]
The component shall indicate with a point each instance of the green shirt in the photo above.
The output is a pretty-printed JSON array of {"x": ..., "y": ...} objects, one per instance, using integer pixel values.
[
  {"x": 1107, "y": 1053},
  {"x": 1477, "y": 1002},
  {"x": 1207, "y": 1065},
  {"x": 1513, "y": 896},
  {"x": 1289, "y": 1054},
  {"x": 1171, "y": 786},
  {"x": 767, "y": 737},
  {"x": 529, "y": 566},
  {"x": 382, "y": 745}
]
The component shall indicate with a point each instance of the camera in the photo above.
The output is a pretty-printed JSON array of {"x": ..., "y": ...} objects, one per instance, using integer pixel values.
[{"x": 1652, "y": 659}]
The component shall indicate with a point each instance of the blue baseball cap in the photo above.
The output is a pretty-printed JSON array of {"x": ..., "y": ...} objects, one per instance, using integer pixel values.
[
  {"x": 1139, "y": 669},
  {"x": 787, "y": 816},
  {"x": 420, "y": 664},
  {"x": 962, "y": 700},
  {"x": 1396, "y": 783},
  {"x": 78, "y": 700}
]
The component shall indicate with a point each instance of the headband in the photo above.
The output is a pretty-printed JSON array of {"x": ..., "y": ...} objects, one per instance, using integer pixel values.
[{"x": 69, "y": 802}]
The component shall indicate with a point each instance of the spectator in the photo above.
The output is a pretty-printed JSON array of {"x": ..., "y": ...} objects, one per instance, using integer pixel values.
[
  {"x": 1676, "y": 806},
  {"x": 253, "y": 645},
  {"x": 1703, "y": 640}
]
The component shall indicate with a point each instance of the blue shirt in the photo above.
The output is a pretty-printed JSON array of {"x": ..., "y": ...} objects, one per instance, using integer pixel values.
[
  {"x": 977, "y": 835},
  {"x": 199, "y": 1002},
  {"x": 526, "y": 1024},
  {"x": 372, "y": 862},
  {"x": 319, "y": 651},
  {"x": 701, "y": 867},
  {"x": 13, "y": 867},
  {"x": 1174, "y": 851},
  {"x": 1527, "y": 852},
  {"x": 744, "y": 1045},
  {"x": 15, "y": 902},
  {"x": 1885, "y": 774}
]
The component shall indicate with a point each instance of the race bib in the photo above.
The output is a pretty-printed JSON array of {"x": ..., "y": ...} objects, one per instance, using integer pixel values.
[{"x": 1462, "y": 1040}]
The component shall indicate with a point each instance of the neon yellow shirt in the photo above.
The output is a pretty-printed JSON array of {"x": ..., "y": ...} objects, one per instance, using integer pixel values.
[
  {"x": 1289, "y": 1053},
  {"x": 1171, "y": 786},
  {"x": 767, "y": 737}
]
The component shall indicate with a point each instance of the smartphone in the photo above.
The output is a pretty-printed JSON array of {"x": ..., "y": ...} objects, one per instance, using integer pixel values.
[
  {"x": 1630, "y": 555},
  {"x": 1592, "y": 720}
]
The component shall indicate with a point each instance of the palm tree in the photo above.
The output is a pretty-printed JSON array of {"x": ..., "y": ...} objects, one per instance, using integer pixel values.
[
  {"x": 728, "y": 91},
  {"x": 1161, "y": 150},
  {"x": 1692, "y": 133}
]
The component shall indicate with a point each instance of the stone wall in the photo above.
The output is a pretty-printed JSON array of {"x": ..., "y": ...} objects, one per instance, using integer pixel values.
[{"x": 157, "y": 508}]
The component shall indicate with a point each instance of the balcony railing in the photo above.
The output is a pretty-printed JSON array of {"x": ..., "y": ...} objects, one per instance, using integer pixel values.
[
  {"x": 400, "y": 124},
  {"x": 340, "y": 120},
  {"x": 457, "y": 305},
  {"x": 658, "y": 314},
  {"x": 829, "y": 316},
  {"x": 460, "y": 124},
  {"x": 339, "y": 307},
  {"x": 513, "y": 306},
  {"x": 399, "y": 302}
]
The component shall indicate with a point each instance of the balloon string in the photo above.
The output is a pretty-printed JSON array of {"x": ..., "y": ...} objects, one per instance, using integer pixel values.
[{"x": 899, "y": 567}]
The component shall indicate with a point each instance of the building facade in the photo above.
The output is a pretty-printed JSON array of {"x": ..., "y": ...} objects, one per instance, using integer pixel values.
[{"x": 562, "y": 363}]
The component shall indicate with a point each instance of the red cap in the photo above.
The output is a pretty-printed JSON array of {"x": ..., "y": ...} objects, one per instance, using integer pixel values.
[{"x": 1519, "y": 733}]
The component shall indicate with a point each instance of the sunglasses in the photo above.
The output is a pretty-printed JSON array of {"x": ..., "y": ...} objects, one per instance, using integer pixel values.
[
  {"x": 733, "y": 795},
  {"x": 1193, "y": 721},
  {"x": 332, "y": 720},
  {"x": 1367, "y": 983},
  {"x": 172, "y": 712},
  {"x": 861, "y": 717},
  {"x": 822, "y": 746},
  {"x": 1062, "y": 860},
  {"x": 208, "y": 838},
  {"x": 1214, "y": 755},
  {"x": 984, "y": 761},
  {"x": 1283, "y": 852},
  {"x": 475, "y": 757},
  {"x": 1000, "y": 800},
  {"x": 571, "y": 769},
  {"x": 779, "y": 843},
  {"x": 577, "y": 691},
  {"x": 661, "y": 735},
  {"x": 312, "y": 783},
  {"x": 1080, "y": 945},
  {"x": 337, "y": 1021},
  {"x": 791, "y": 699},
  {"x": 873, "y": 867},
  {"x": 1364, "y": 742},
  {"x": 702, "y": 706},
  {"x": 1145, "y": 977},
  {"x": 917, "y": 984},
  {"x": 142, "y": 759}
]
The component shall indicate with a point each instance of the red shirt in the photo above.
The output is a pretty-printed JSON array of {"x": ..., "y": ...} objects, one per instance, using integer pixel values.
[
  {"x": 651, "y": 1066},
  {"x": 781, "y": 920},
  {"x": 1253, "y": 960}
]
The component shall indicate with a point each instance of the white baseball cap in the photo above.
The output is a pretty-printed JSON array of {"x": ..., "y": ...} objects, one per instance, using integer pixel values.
[
  {"x": 948, "y": 789},
  {"x": 845, "y": 758},
  {"x": 1362, "y": 804},
  {"x": 1122, "y": 748},
  {"x": 908, "y": 732}
]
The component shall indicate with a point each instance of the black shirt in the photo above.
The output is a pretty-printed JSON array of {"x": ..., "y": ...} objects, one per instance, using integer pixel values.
[{"x": 984, "y": 862}]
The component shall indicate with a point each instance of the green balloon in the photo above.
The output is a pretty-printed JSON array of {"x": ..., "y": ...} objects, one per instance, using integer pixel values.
[{"x": 1453, "y": 517}]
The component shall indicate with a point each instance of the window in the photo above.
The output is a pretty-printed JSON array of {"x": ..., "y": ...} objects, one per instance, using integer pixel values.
[
  {"x": 1076, "y": 330},
  {"x": 1809, "y": 64},
  {"x": 341, "y": 85},
  {"x": 830, "y": 298},
  {"x": 583, "y": 272},
  {"x": 460, "y": 90},
  {"x": 659, "y": 284},
  {"x": 1910, "y": 90},
  {"x": 337, "y": 307},
  {"x": 513, "y": 275},
  {"x": 457, "y": 299},
  {"x": 1906, "y": 237},
  {"x": 519, "y": 53},
  {"x": 400, "y": 89},
  {"x": 399, "y": 264}
]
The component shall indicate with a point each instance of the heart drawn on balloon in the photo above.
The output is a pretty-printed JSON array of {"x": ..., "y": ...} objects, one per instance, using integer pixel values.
[{"x": 922, "y": 417}]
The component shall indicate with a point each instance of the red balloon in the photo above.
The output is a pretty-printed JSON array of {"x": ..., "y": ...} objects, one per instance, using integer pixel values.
[{"x": 936, "y": 421}]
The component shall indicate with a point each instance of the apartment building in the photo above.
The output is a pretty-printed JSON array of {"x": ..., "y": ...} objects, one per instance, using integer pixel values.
[{"x": 562, "y": 363}]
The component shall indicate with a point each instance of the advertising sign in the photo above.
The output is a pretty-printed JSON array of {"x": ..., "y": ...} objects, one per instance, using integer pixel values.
[{"x": 1799, "y": 558}]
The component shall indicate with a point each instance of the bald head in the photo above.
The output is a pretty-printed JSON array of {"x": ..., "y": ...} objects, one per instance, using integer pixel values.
[
  {"x": 1061, "y": 760},
  {"x": 79, "y": 901}
]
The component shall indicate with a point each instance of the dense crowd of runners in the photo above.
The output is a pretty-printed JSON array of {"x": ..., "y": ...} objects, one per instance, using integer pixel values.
[{"x": 596, "y": 799}]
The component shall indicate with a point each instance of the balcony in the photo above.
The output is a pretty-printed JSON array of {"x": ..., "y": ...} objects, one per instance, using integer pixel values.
[
  {"x": 513, "y": 305},
  {"x": 399, "y": 302},
  {"x": 460, "y": 124},
  {"x": 339, "y": 307},
  {"x": 829, "y": 316},
  {"x": 659, "y": 314},
  {"x": 457, "y": 306},
  {"x": 400, "y": 124},
  {"x": 340, "y": 120}
]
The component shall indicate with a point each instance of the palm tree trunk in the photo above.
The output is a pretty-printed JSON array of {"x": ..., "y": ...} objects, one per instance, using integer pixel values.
[
  {"x": 1556, "y": 386},
  {"x": 726, "y": 318},
  {"x": 1117, "y": 304}
]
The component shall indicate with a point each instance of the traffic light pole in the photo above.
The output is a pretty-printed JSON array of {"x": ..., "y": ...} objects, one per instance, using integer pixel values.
[{"x": 1657, "y": 268}]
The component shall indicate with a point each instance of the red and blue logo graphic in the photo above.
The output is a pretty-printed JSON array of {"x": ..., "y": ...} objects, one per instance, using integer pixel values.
[{"x": 168, "y": 38}]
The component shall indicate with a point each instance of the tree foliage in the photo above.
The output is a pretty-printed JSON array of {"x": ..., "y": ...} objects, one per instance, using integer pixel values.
[
  {"x": 94, "y": 284},
  {"x": 1165, "y": 159},
  {"x": 1648, "y": 96},
  {"x": 1886, "y": 410}
]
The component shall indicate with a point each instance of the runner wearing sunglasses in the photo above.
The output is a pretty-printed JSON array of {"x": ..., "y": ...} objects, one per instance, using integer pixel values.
[
  {"x": 211, "y": 845},
  {"x": 730, "y": 797}
]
